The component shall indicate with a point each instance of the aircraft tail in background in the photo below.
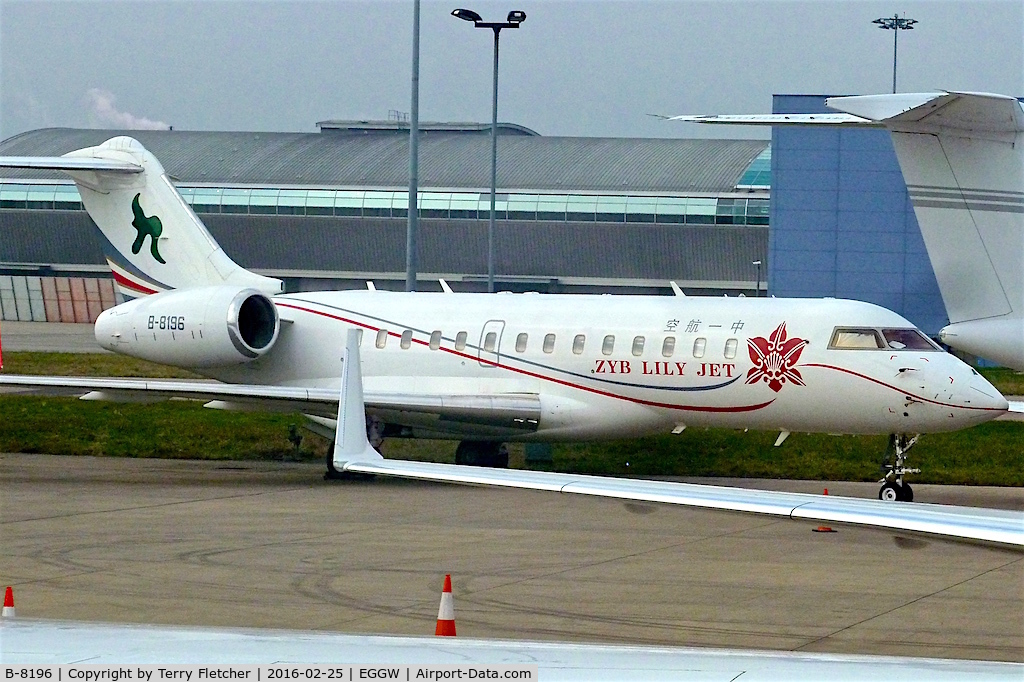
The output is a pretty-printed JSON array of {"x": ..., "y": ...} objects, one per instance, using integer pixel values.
[
  {"x": 962, "y": 156},
  {"x": 153, "y": 241}
]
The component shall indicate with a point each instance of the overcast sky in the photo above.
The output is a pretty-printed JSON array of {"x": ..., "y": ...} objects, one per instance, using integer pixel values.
[{"x": 573, "y": 68}]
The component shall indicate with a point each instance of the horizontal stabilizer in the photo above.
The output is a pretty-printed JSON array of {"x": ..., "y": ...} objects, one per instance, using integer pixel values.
[
  {"x": 967, "y": 112},
  {"x": 64, "y": 163},
  {"x": 777, "y": 119}
]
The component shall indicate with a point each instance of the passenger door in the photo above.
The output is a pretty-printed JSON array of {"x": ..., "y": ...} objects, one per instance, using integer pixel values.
[{"x": 489, "y": 350}]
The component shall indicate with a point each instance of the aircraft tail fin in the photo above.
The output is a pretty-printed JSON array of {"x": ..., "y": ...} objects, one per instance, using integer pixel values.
[
  {"x": 962, "y": 156},
  {"x": 153, "y": 241}
]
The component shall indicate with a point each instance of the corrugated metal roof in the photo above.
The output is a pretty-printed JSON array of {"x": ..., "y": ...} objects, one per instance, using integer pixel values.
[{"x": 456, "y": 161}]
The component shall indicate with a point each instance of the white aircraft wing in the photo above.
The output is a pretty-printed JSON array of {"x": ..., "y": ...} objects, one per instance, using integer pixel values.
[
  {"x": 523, "y": 411},
  {"x": 518, "y": 411},
  {"x": 39, "y": 642},
  {"x": 1002, "y": 527}
]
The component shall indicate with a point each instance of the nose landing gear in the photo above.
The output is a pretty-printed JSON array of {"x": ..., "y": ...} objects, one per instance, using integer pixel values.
[{"x": 894, "y": 489}]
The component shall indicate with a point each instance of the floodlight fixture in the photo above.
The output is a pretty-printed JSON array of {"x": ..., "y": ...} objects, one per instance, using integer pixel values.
[
  {"x": 467, "y": 15},
  {"x": 512, "y": 20},
  {"x": 895, "y": 23}
]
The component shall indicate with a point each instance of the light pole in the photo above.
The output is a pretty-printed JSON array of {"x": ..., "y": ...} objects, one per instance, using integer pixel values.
[
  {"x": 757, "y": 291},
  {"x": 514, "y": 18},
  {"x": 895, "y": 24},
  {"x": 414, "y": 134}
]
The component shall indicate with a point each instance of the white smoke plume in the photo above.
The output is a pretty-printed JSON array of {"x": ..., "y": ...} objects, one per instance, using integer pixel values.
[{"x": 106, "y": 114}]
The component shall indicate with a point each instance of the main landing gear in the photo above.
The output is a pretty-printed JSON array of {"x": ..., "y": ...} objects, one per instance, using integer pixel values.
[
  {"x": 894, "y": 464},
  {"x": 482, "y": 453},
  {"x": 374, "y": 434}
]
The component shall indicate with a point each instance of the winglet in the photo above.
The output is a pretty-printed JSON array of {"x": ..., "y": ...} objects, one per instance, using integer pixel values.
[{"x": 350, "y": 443}]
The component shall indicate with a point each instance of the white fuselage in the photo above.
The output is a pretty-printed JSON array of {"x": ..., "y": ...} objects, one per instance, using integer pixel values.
[{"x": 728, "y": 362}]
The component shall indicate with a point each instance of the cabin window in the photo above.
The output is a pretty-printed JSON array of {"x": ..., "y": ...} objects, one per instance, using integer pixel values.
[
  {"x": 406, "y": 339},
  {"x": 698, "y": 347},
  {"x": 577, "y": 343},
  {"x": 460, "y": 341},
  {"x": 608, "y": 345},
  {"x": 521, "y": 343},
  {"x": 382, "y": 338},
  {"x": 435, "y": 339},
  {"x": 857, "y": 339},
  {"x": 908, "y": 339},
  {"x": 638, "y": 346},
  {"x": 730, "y": 348},
  {"x": 490, "y": 341},
  {"x": 668, "y": 346},
  {"x": 549, "y": 343}
]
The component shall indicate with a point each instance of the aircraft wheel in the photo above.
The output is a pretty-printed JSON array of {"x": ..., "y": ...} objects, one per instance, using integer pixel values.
[
  {"x": 331, "y": 472},
  {"x": 482, "y": 454},
  {"x": 908, "y": 493},
  {"x": 889, "y": 493}
]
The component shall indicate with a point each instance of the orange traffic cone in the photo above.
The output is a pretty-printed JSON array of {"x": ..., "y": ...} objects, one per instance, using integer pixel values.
[
  {"x": 8, "y": 603},
  {"x": 446, "y": 612},
  {"x": 824, "y": 529}
]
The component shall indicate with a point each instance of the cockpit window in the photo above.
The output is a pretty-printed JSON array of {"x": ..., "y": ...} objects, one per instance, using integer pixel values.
[
  {"x": 887, "y": 339},
  {"x": 908, "y": 339},
  {"x": 857, "y": 339}
]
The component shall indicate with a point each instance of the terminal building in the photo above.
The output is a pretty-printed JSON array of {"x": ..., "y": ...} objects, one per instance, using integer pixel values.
[{"x": 813, "y": 213}]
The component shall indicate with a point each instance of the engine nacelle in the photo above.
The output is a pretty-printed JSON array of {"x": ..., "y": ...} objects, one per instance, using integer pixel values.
[
  {"x": 1000, "y": 339},
  {"x": 204, "y": 327}
]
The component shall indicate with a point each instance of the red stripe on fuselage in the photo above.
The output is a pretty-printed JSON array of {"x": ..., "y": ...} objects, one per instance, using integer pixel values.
[
  {"x": 562, "y": 382},
  {"x": 898, "y": 389}
]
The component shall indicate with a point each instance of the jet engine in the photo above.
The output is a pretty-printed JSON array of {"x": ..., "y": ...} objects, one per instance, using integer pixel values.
[{"x": 209, "y": 326}]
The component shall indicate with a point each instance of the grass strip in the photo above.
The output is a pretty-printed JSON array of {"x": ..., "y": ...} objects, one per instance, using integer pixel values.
[{"x": 990, "y": 454}]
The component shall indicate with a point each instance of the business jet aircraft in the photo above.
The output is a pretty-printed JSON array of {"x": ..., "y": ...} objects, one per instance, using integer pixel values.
[
  {"x": 962, "y": 156},
  {"x": 492, "y": 368}
]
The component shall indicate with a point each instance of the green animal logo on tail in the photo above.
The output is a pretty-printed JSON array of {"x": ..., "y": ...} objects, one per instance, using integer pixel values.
[{"x": 146, "y": 225}]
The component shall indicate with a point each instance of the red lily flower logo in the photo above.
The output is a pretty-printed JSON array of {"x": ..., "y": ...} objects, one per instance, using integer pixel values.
[{"x": 775, "y": 358}]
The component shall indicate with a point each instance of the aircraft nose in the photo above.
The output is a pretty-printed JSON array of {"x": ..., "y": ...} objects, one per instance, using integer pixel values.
[{"x": 983, "y": 394}]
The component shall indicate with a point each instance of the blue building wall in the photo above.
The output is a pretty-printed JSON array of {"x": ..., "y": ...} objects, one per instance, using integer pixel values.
[{"x": 842, "y": 224}]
